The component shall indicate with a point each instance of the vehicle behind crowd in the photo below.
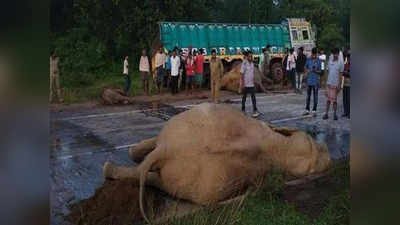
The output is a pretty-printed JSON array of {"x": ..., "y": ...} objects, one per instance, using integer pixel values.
[{"x": 230, "y": 41}]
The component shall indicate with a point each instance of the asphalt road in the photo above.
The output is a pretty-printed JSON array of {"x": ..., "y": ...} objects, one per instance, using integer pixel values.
[{"x": 83, "y": 139}]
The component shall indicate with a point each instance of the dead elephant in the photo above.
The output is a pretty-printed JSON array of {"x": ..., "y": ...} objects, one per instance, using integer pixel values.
[
  {"x": 231, "y": 80},
  {"x": 114, "y": 95},
  {"x": 208, "y": 153}
]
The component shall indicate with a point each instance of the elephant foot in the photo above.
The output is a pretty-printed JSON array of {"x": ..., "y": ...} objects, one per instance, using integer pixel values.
[
  {"x": 108, "y": 170},
  {"x": 134, "y": 156}
]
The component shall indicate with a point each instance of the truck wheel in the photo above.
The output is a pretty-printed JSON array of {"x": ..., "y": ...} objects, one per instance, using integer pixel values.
[{"x": 277, "y": 73}]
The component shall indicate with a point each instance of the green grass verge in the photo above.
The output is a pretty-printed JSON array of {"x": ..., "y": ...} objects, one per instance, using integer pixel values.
[{"x": 266, "y": 206}]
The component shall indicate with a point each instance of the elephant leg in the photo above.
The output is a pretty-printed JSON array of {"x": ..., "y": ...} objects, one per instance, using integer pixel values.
[
  {"x": 138, "y": 153},
  {"x": 112, "y": 171}
]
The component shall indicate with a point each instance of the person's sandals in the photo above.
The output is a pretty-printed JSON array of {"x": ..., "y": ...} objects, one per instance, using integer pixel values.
[{"x": 306, "y": 113}]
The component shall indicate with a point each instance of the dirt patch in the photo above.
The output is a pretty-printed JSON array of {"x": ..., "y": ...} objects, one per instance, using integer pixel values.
[
  {"x": 116, "y": 202},
  {"x": 312, "y": 197}
]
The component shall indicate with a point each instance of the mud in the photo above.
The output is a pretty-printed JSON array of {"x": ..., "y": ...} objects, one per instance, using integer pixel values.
[
  {"x": 116, "y": 202},
  {"x": 312, "y": 197}
]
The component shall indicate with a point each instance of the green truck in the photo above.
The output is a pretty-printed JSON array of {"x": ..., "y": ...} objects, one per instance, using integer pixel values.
[{"x": 230, "y": 40}]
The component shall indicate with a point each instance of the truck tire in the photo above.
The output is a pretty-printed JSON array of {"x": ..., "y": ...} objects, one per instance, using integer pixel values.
[{"x": 277, "y": 73}]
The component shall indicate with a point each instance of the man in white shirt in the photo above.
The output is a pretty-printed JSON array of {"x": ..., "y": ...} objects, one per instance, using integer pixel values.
[
  {"x": 160, "y": 68},
  {"x": 175, "y": 64},
  {"x": 322, "y": 58},
  {"x": 335, "y": 73},
  {"x": 126, "y": 75},
  {"x": 144, "y": 68},
  {"x": 291, "y": 68}
]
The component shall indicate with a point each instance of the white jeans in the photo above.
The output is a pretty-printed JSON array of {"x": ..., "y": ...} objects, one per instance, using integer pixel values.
[{"x": 299, "y": 80}]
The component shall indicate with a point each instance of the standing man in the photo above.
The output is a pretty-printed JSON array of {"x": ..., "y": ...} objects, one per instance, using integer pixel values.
[
  {"x": 160, "y": 67},
  {"x": 181, "y": 69},
  {"x": 346, "y": 88},
  {"x": 247, "y": 80},
  {"x": 127, "y": 76},
  {"x": 291, "y": 68},
  {"x": 335, "y": 73},
  {"x": 175, "y": 64},
  {"x": 199, "y": 62},
  {"x": 144, "y": 68},
  {"x": 300, "y": 66},
  {"x": 54, "y": 78},
  {"x": 216, "y": 72},
  {"x": 168, "y": 70},
  {"x": 313, "y": 71},
  {"x": 322, "y": 58},
  {"x": 265, "y": 59},
  {"x": 190, "y": 66}
]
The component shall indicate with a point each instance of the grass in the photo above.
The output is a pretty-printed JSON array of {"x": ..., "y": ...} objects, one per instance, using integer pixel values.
[{"x": 266, "y": 206}]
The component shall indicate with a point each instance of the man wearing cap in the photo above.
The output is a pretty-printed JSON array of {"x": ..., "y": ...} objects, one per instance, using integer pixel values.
[{"x": 216, "y": 72}]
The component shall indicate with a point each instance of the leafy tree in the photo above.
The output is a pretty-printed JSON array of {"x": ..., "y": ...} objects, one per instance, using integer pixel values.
[{"x": 331, "y": 37}]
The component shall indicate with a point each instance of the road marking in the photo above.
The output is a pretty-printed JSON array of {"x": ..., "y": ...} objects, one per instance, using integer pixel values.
[
  {"x": 294, "y": 118},
  {"x": 148, "y": 110},
  {"x": 114, "y": 149}
]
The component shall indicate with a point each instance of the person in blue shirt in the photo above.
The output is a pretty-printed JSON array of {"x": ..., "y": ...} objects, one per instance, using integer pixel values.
[
  {"x": 168, "y": 69},
  {"x": 313, "y": 71}
]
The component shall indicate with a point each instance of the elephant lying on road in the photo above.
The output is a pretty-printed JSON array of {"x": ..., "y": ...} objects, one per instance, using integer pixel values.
[
  {"x": 113, "y": 95},
  {"x": 208, "y": 153},
  {"x": 231, "y": 80}
]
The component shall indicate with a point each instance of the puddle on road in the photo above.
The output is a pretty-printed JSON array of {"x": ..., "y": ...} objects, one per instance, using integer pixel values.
[
  {"x": 73, "y": 139},
  {"x": 160, "y": 110},
  {"x": 338, "y": 140}
]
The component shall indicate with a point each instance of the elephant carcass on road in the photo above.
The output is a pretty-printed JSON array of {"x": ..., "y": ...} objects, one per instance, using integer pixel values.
[
  {"x": 114, "y": 95},
  {"x": 209, "y": 153},
  {"x": 231, "y": 80}
]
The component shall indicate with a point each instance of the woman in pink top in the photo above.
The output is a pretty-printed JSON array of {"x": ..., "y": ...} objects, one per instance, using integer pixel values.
[{"x": 190, "y": 66}]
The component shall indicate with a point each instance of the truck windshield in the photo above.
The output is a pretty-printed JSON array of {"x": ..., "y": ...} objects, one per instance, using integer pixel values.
[{"x": 305, "y": 35}]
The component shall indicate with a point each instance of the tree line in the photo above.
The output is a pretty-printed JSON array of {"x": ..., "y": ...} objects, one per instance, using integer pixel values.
[{"x": 92, "y": 36}]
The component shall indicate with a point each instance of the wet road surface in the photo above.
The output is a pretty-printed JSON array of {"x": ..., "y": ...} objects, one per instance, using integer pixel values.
[{"x": 83, "y": 140}]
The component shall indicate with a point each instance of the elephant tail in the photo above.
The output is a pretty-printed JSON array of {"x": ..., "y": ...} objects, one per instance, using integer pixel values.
[{"x": 144, "y": 168}]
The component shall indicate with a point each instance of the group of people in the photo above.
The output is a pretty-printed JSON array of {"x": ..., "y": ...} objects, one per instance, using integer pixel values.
[
  {"x": 313, "y": 69},
  {"x": 169, "y": 70}
]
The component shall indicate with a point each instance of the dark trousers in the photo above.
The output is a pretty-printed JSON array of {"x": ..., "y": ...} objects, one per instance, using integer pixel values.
[
  {"x": 167, "y": 75},
  {"x": 346, "y": 100},
  {"x": 249, "y": 90},
  {"x": 127, "y": 83},
  {"x": 292, "y": 78},
  {"x": 174, "y": 84},
  {"x": 314, "y": 89}
]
